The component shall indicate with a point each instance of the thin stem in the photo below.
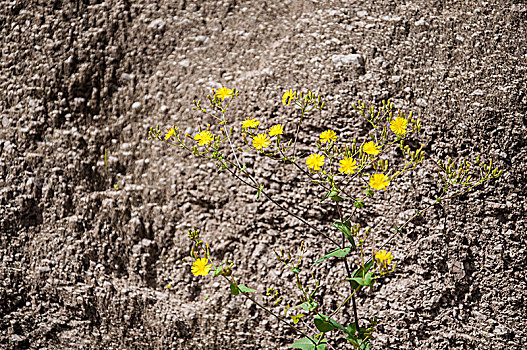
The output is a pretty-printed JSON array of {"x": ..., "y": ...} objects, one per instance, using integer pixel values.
[
  {"x": 298, "y": 130},
  {"x": 263, "y": 307},
  {"x": 282, "y": 207},
  {"x": 348, "y": 271},
  {"x": 343, "y": 303},
  {"x": 280, "y": 318},
  {"x": 234, "y": 153}
]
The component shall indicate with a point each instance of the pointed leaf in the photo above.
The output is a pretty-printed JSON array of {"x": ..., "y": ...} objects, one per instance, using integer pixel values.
[
  {"x": 331, "y": 193},
  {"x": 337, "y": 325},
  {"x": 308, "y": 305},
  {"x": 217, "y": 271},
  {"x": 346, "y": 231},
  {"x": 337, "y": 198},
  {"x": 361, "y": 272},
  {"x": 358, "y": 280},
  {"x": 244, "y": 289},
  {"x": 338, "y": 253},
  {"x": 304, "y": 344},
  {"x": 234, "y": 289},
  {"x": 322, "y": 345},
  {"x": 323, "y": 324}
]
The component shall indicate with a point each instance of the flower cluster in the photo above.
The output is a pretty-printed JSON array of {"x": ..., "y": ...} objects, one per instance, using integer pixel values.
[
  {"x": 262, "y": 140},
  {"x": 348, "y": 165}
]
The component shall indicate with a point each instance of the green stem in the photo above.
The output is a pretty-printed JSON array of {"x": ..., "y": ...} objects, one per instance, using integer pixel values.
[
  {"x": 281, "y": 319},
  {"x": 348, "y": 271},
  {"x": 282, "y": 207}
]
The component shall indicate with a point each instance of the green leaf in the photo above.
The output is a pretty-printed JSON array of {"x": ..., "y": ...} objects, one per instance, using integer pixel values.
[
  {"x": 217, "y": 271},
  {"x": 338, "y": 253},
  {"x": 361, "y": 276},
  {"x": 337, "y": 325},
  {"x": 345, "y": 229},
  {"x": 366, "y": 281},
  {"x": 308, "y": 305},
  {"x": 337, "y": 198},
  {"x": 351, "y": 329},
  {"x": 323, "y": 323},
  {"x": 331, "y": 193},
  {"x": 244, "y": 289},
  {"x": 260, "y": 189},
  {"x": 304, "y": 344},
  {"x": 365, "y": 345},
  {"x": 234, "y": 289},
  {"x": 361, "y": 272},
  {"x": 296, "y": 271},
  {"x": 359, "y": 204}
]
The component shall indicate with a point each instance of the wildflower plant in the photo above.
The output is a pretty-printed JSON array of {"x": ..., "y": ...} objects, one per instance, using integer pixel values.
[{"x": 348, "y": 174}]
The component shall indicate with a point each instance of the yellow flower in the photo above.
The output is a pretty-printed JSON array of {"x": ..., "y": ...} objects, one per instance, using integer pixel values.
[
  {"x": 261, "y": 141},
  {"x": 250, "y": 123},
  {"x": 204, "y": 138},
  {"x": 223, "y": 92},
  {"x": 171, "y": 132},
  {"x": 328, "y": 135},
  {"x": 277, "y": 129},
  {"x": 371, "y": 148},
  {"x": 288, "y": 96},
  {"x": 379, "y": 181},
  {"x": 200, "y": 267},
  {"x": 348, "y": 166},
  {"x": 384, "y": 257},
  {"x": 315, "y": 161},
  {"x": 399, "y": 125}
]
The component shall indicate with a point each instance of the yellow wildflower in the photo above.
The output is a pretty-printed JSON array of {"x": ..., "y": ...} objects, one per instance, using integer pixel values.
[
  {"x": 261, "y": 141},
  {"x": 200, "y": 267},
  {"x": 204, "y": 138},
  {"x": 379, "y": 181},
  {"x": 288, "y": 96},
  {"x": 399, "y": 125},
  {"x": 315, "y": 161},
  {"x": 384, "y": 258},
  {"x": 277, "y": 129},
  {"x": 250, "y": 123},
  {"x": 371, "y": 148},
  {"x": 348, "y": 166},
  {"x": 223, "y": 92},
  {"x": 328, "y": 135},
  {"x": 171, "y": 132}
]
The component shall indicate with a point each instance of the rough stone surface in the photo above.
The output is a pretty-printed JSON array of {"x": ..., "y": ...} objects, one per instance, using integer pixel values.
[{"x": 83, "y": 266}]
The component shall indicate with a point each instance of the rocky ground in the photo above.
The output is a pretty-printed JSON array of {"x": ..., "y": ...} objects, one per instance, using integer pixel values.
[{"x": 84, "y": 266}]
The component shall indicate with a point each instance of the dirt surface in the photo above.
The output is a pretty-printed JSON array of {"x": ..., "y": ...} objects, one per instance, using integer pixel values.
[{"x": 84, "y": 266}]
